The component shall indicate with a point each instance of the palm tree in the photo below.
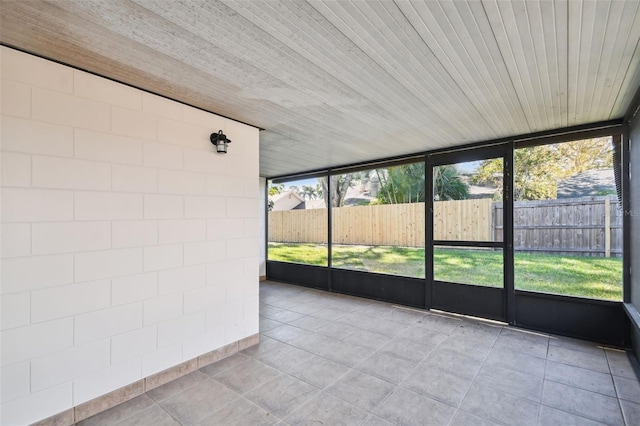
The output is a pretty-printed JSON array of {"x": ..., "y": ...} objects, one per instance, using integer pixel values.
[
  {"x": 401, "y": 184},
  {"x": 406, "y": 183},
  {"x": 447, "y": 184}
]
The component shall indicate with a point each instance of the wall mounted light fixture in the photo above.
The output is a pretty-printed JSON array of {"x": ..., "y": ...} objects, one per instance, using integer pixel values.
[{"x": 220, "y": 141}]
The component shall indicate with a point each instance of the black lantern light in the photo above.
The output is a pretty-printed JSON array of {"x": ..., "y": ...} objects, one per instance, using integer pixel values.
[{"x": 220, "y": 141}]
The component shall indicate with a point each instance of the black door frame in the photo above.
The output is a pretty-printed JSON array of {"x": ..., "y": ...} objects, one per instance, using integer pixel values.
[{"x": 469, "y": 299}]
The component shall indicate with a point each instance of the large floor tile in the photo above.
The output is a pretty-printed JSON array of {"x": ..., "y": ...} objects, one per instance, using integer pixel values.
[
  {"x": 517, "y": 361},
  {"x": 623, "y": 363},
  {"x": 407, "y": 348},
  {"x": 281, "y": 395},
  {"x": 319, "y": 372},
  {"x": 581, "y": 378},
  {"x": 309, "y": 323},
  {"x": 267, "y": 324},
  {"x": 284, "y": 316},
  {"x": 368, "y": 339},
  {"x": 376, "y": 310},
  {"x": 575, "y": 344},
  {"x": 285, "y": 332},
  {"x": 628, "y": 389},
  {"x": 512, "y": 382},
  {"x": 306, "y": 308},
  {"x": 267, "y": 310},
  {"x": 284, "y": 357},
  {"x": 477, "y": 332},
  {"x": 387, "y": 367},
  {"x": 500, "y": 407},
  {"x": 437, "y": 384},
  {"x": 374, "y": 420},
  {"x": 631, "y": 412},
  {"x": 384, "y": 326},
  {"x": 583, "y": 403},
  {"x": 198, "y": 402},
  {"x": 240, "y": 412},
  {"x": 225, "y": 364},
  {"x": 282, "y": 301},
  {"x": 120, "y": 412},
  {"x": 595, "y": 361},
  {"x": 247, "y": 376},
  {"x": 405, "y": 315},
  {"x": 330, "y": 314},
  {"x": 423, "y": 335},
  {"x": 361, "y": 389},
  {"x": 311, "y": 342},
  {"x": 344, "y": 353},
  {"x": 462, "y": 418},
  {"x": 265, "y": 344},
  {"x": 439, "y": 323},
  {"x": 553, "y": 417},
  {"x": 176, "y": 386},
  {"x": 521, "y": 341},
  {"x": 356, "y": 319},
  {"x": 153, "y": 415},
  {"x": 404, "y": 407},
  {"x": 469, "y": 348},
  {"x": 461, "y": 364},
  {"x": 325, "y": 409},
  {"x": 336, "y": 330}
]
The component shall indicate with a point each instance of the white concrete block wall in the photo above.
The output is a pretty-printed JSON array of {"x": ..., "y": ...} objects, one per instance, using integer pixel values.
[{"x": 128, "y": 244}]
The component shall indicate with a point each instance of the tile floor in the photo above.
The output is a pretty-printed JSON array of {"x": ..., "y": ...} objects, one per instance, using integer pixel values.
[{"x": 337, "y": 360}]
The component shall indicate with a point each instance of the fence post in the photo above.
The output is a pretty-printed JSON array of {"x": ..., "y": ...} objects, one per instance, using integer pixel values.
[{"x": 607, "y": 227}]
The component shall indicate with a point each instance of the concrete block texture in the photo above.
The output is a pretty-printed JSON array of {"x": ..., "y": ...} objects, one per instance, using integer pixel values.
[{"x": 116, "y": 211}]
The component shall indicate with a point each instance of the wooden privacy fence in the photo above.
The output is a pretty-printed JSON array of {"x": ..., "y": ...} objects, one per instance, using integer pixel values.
[
  {"x": 578, "y": 226},
  {"x": 588, "y": 226},
  {"x": 298, "y": 226},
  {"x": 385, "y": 224},
  {"x": 462, "y": 220}
]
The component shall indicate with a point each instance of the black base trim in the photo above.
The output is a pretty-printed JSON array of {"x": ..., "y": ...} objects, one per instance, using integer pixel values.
[
  {"x": 479, "y": 301},
  {"x": 389, "y": 288},
  {"x": 595, "y": 320},
  {"x": 299, "y": 274}
]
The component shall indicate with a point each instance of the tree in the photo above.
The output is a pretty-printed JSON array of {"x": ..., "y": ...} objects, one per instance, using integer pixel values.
[
  {"x": 587, "y": 154},
  {"x": 274, "y": 189},
  {"x": 448, "y": 185},
  {"x": 339, "y": 186},
  {"x": 401, "y": 184},
  {"x": 538, "y": 169},
  {"x": 309, "y": 192},
  {"x": 406, "y": 184}
]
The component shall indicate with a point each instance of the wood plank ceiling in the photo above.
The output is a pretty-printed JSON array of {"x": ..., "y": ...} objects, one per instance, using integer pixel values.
[{"x": 339, "y": 82}]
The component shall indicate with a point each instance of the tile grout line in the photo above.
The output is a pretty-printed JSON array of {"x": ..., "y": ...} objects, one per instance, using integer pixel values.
[
  {"x": 615, "y": 388},
  {"x": 474, "y": 379}
]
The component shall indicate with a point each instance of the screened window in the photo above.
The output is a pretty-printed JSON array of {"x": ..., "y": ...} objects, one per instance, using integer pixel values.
[
  {"x": 297, "y": 212},
  {"x": 378, "y": 218},
  {"x": 567, "y": 220}
]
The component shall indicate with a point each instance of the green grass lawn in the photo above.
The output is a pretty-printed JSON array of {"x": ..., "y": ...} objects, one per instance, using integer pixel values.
[{"x": 593, "y": 277}]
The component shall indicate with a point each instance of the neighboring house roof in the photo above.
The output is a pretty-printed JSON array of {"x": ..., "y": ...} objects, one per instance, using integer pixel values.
[
  {"x": 287, "y": 200},
  {"x": 356, "y": 195},
  {"x": 315, "y": 204},
  {"x": 588, "y": 184}
]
